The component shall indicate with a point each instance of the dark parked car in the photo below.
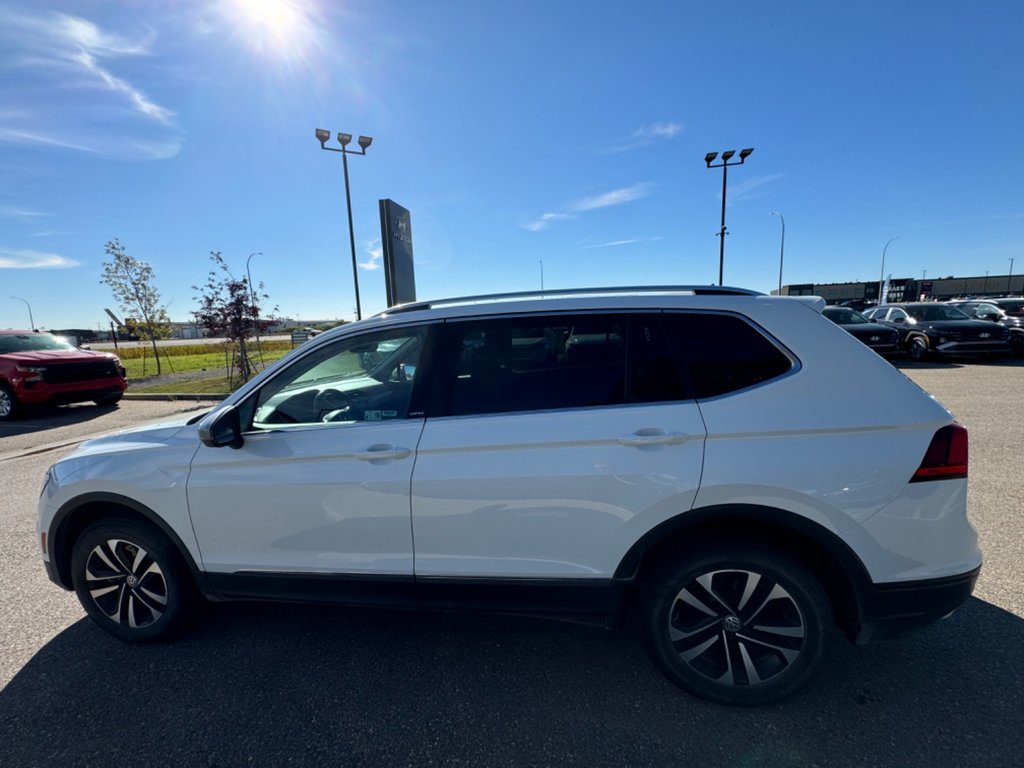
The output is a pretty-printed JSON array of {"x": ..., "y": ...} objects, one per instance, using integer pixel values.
[
  {"x": 933, "y": 328},
  {"x": 1007, "y": 312},
  {"x": 882, "y": 339},
  {"x": 37, "y": 368}
]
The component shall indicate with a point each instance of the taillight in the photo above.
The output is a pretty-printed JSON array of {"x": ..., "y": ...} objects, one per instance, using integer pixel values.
[{"x": 946, "y": 457}]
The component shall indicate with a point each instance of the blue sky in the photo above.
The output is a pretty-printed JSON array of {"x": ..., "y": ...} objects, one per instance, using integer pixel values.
[{"x": 571, "y": 133}]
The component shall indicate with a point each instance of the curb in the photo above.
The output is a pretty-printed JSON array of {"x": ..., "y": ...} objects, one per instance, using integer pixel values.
[{"x": 171, "y": 396}]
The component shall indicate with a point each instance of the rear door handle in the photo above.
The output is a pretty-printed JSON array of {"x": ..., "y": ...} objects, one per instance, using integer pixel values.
[
  {"x": 382, "y": 451},
  {"x": 644, "y": 437}
]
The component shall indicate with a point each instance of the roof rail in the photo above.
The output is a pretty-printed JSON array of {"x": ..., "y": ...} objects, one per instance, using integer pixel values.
[{"x": 692, "y": 290}]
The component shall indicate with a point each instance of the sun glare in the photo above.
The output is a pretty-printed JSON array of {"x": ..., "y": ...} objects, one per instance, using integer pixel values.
[{"x": 273, "y": 26}]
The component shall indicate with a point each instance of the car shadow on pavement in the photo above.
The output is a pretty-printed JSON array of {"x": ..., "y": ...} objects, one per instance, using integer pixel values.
[
  {"x": 275, "y": 684},
  {"x": 40, "y": 418}
]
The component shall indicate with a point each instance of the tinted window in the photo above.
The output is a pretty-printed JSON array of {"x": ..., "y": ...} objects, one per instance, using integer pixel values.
[
  {"x": 843, "y": 316},
  {"x": 723, "y": 353},
  {"x": 653, "y": 375},
  {"x": 527, "y": 364},
  {"x": 936, "y": 312}
]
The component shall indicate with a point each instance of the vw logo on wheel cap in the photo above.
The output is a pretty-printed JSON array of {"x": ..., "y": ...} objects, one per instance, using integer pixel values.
[{"x": 731, "y": 624}]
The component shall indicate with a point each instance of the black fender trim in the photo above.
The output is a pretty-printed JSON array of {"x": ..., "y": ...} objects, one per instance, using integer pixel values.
[
  {"x": 708, "y": 521},
  {"x": 58, "y": 529}
]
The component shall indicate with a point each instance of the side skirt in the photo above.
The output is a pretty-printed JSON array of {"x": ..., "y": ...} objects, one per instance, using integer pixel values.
[{"x": 583, "y": 600}]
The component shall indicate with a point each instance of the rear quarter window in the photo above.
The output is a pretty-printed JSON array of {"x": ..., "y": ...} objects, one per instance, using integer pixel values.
[{"x": 721, "y": 353}]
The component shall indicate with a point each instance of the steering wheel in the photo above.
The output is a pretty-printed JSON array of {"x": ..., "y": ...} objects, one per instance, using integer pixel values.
[{"x": 328, "y": 402}]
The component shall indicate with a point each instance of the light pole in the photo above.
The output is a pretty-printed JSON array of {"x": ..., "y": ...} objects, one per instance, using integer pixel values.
[
  {"x": 881, "y": 277},
  {"x": 344, "y": 139},
  {"x": 1009, "y": 276},
  {"x": 709, "y": 158},
  {"x": 782, "y": 247},
  {"x": 31, "y": 321}
]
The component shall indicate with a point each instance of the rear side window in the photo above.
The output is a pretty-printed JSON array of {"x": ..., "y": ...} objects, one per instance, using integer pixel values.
[
  {"x": 535, "y": 363},
  {"x": 723, "y": 353}
]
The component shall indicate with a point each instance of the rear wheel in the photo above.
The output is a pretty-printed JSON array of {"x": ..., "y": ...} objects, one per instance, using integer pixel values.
[
  {"x": 131, "y": 580},
  {"x": 737, "y": 624},
  {"x": 8, "y": 403}
]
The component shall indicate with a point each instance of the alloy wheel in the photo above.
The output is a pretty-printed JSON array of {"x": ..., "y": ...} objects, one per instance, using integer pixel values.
[
  {"x": 736, "y": 627},
  {"x": 126, "y": 583},
  {"x": 6, "y": 404}
]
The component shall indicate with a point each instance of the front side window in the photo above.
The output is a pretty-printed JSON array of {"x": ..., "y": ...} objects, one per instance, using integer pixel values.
[{"x": 366, "y": 378}]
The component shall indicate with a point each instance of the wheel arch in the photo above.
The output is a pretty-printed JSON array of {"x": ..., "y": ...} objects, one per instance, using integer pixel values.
[
  {"x": 76, "y": 515},
  {"x": 828, "y": 557}
]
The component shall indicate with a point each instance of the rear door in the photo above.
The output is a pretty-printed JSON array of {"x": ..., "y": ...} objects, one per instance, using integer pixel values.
[{"x": 564, "y": 438}]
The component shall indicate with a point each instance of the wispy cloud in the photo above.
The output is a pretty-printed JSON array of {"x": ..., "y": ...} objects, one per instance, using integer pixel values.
[
  {"x": 748, "y": 188},
  {"x": 376, "y": 253},
  {"x": 72, "y": 75},
  {"x": 11, "y": 212},
  {"x": 545, "y": 220},
  {"x": 603, "y": 200},
  {"x": 12, "y": 259},
  {"x": 613, "y": 243},
  {"x": 614, "y": 197},
  {"x": 647, "y": 135}
]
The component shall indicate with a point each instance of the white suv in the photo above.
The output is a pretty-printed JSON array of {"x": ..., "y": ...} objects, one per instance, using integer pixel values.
[{"x": 736, "y": 467}]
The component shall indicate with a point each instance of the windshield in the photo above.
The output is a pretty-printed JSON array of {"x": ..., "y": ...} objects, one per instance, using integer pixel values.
[
  {"x": 33, "y": 342},
  {"x": 933, "y": 313},
  {"x": 843, "y": 316}
]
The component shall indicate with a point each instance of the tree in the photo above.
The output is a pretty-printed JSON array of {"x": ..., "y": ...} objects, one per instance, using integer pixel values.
[
  {"x": 131, "y": 282},
  {"x": 231, "y": 308}
]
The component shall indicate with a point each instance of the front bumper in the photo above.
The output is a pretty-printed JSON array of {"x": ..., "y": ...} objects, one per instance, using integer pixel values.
[
  {"x": 893, "y": 609},
  {"x": 72, "y": 392},
  {"x": 972, "y": 348}
]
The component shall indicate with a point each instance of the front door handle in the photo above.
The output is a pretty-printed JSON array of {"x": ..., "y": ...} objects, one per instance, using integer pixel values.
[
  {"x": 644, "y": 437},
  {"x": 382, "y": 451}
]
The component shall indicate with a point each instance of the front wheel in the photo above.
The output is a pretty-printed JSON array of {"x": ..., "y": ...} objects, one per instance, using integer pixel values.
[
  {"x": 8, "y": 403},
  {"x": 917, "y": 348},
  {"x": 737, "y": 624},
  {"x": 131, "y": 580}
]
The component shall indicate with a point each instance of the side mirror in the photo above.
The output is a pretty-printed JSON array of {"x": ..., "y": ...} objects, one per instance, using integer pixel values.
[
  {"x": 900, "y": 320},
  {"x": 221, "y": 428}
]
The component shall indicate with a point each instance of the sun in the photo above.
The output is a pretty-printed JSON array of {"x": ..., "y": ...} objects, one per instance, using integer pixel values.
[{"x": 279, "y": 26}]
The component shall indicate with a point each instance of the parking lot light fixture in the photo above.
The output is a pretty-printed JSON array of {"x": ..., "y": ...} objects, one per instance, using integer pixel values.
[
  {"x": 31, "y": 321},
  {"x": 709, "y": 158},
  {"x": 344, "y": 139},
  {"x": 1009, "y": 277}
]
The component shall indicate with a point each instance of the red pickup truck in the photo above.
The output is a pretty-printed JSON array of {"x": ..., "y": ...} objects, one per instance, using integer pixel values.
[{"x": 38, "y": 368}]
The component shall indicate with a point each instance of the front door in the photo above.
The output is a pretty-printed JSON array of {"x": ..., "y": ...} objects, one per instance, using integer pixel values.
[{"x": 316, "y": 501}]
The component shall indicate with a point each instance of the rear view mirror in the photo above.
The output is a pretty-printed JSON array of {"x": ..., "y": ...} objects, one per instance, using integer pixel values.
[{"x": 221, "y": 428}]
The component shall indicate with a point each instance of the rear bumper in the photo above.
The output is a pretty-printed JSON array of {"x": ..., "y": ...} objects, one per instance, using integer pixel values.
[{"x": 894, "y": 609}]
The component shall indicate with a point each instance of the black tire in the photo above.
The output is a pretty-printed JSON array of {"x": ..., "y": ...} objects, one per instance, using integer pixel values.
[
  {"x": 109, "y": 399},
  {"x": 132, "y": 581},
  {"x": 9, "y": 405},
  {"x": 715, "y": 650},
  {"x": 917, "y": 348}
]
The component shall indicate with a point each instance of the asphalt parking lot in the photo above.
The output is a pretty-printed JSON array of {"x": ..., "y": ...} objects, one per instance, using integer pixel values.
[{"x": 278, "y": 684}]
